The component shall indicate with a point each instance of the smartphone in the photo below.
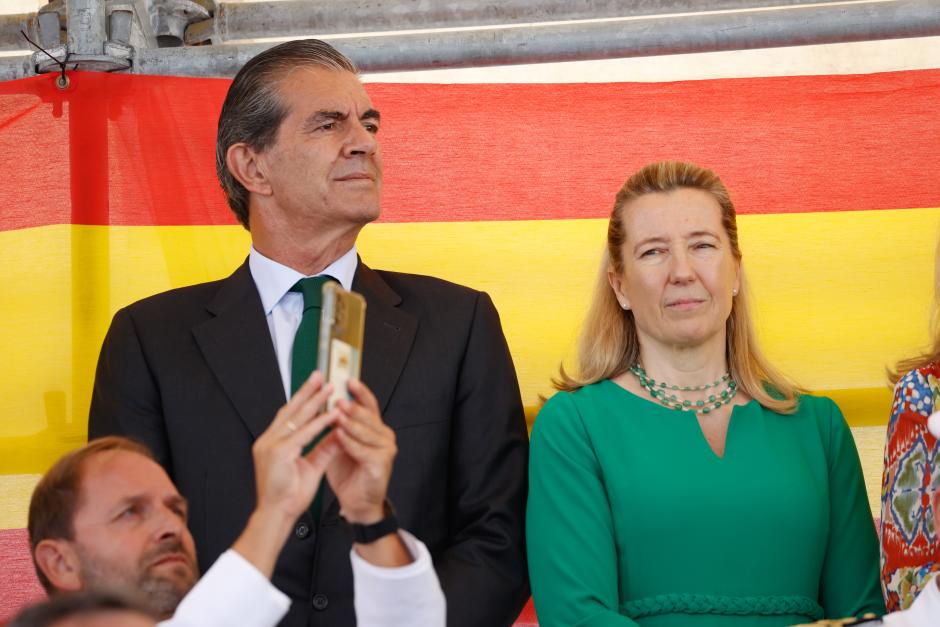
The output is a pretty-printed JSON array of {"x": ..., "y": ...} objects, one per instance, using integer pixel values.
[{"x": 342, "y": 323}]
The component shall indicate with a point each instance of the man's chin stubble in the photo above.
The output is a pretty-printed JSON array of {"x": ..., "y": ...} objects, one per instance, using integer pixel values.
[{"x": 163, "y": 595}]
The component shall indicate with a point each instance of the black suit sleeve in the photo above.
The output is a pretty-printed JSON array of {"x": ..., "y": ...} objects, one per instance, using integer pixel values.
[
  {"x": 483, "y": 571},
  {"x": 126, "y": 399}
]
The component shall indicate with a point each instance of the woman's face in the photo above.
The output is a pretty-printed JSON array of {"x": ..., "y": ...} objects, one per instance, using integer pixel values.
[{"x": 679, "y": 273}]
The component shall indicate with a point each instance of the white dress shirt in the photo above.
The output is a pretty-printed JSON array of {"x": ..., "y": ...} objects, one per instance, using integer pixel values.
[
  {"x": 283, "y": 309},
  {"x": 232, "y": 592},
  {"x": 923, "y": 612},
  {"x": 406, "y": 596}
]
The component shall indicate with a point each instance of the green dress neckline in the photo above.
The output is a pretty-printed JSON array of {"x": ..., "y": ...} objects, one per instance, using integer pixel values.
[{"x": 645, "y": 404}]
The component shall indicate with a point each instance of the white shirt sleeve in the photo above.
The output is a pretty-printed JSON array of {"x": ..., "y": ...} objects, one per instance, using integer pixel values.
[
  {"x": 232, "y": 592},
  {"x": 398, "y": 597}
]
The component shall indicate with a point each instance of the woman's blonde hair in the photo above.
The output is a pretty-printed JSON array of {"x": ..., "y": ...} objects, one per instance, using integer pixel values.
[
  {"x": 933, "y": 353},
  {"x": 609, "y": 345}
]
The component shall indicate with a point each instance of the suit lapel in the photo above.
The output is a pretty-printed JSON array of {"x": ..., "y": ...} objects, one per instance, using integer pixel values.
[
  {"x": 389, "y": 334},
  {"x": 237, "y": 346}
]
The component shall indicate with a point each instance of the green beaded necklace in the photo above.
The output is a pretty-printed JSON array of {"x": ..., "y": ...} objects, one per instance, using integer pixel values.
[{"x": 659, "y": 390}]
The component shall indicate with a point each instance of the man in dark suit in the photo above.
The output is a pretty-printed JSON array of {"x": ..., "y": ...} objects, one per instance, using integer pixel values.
[{"x": 196, "y": 373}]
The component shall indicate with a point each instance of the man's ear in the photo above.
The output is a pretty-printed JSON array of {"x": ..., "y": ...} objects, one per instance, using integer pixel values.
[
  {"x": 246, "y": 166},
  {"x": 59, "y": 562}
]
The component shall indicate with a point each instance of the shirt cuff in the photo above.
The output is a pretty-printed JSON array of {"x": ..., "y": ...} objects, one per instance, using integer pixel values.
[
  {"x": 232, "y": 592},
  {"x": 403, "y": 595}
]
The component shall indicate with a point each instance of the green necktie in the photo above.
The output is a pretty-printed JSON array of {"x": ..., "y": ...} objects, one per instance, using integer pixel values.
[
  {"x": 307, "y": 340},
  {"x": 306, "y": 347}
]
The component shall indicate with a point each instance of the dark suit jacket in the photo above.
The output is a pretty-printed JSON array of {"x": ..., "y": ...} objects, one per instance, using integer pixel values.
[{"x": 193, "y": 374}]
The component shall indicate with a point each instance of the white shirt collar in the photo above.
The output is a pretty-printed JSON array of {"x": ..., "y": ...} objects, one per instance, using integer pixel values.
[{"x": 274, "y": 279}]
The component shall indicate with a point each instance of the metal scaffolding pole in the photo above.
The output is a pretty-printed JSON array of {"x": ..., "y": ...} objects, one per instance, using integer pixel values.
[
  {"x": 16, "y": 67},
  {"x": 86, "y": 27},
  {"x": 645, "y": 36},
  {"x": 299, "y": 18},
  {"x": 590, "y": 41},
  {"x": 293, "y": 18},
  {"x": 169, "y": 15},
  {"x": 10, "y": 27}
]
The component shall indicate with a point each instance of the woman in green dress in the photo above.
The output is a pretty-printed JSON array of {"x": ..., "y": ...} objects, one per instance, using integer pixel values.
[{"x": 677, "y": 479}]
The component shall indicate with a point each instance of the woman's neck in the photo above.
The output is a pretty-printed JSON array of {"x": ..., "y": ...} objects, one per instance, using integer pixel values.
[{"x": 684, "y": 365}]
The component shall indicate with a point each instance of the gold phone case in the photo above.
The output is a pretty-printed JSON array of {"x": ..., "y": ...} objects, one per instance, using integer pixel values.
[{"x": 342, "y": 323}]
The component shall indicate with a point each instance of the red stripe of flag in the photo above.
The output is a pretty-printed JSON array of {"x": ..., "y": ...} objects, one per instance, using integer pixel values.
[
  {"x": 17, "y": 577},
  {"x": 485, "y": 152}
]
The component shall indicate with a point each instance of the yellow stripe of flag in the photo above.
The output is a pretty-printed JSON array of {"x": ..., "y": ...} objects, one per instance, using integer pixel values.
[{"x": 838, "y": 296}]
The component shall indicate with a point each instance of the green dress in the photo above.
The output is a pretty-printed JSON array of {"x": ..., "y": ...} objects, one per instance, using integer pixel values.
[{"x": 633, "y": 519}]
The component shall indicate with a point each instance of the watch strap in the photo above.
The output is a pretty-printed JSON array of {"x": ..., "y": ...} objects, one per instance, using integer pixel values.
[{"x": 366, "y": 534}]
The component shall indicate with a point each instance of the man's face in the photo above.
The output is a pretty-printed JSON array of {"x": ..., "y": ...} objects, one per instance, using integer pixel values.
[
  {"x": 130, "y": 531},
  {"x": 325, "y": 165}
]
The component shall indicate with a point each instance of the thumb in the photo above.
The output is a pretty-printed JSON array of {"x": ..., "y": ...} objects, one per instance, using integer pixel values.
[{"x": 322, "y": 454}]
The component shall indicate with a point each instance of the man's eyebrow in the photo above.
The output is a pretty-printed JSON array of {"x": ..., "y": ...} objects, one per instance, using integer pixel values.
[
  {"x": 324, "y": 115},
  {"x": 132, "y": 499},
  {"x": 178, "y": 500}
]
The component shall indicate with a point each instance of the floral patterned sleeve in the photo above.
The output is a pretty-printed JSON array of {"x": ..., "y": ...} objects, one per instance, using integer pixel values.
[{"x": 910, "y": 552}]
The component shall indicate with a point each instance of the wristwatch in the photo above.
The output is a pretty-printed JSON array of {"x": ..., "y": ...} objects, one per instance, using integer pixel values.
[{"x": 366, "y": 534}]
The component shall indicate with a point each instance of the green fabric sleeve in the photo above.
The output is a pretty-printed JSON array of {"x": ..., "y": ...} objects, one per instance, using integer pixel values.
[
  {"x": 849, "y": 583},
  {"x": 571, "y": 546}
]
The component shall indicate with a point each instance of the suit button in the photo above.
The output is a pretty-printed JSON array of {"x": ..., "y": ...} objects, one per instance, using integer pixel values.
[
  {"x": 302, "y": 530},
  {"x": 320, "y": 601}
]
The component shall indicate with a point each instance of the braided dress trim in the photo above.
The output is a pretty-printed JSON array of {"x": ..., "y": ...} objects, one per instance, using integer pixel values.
[{"x": 686, "y": 603}]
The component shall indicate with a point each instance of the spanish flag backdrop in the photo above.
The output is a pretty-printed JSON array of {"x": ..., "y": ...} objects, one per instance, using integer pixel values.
[{"x": 108, "y": 194}]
